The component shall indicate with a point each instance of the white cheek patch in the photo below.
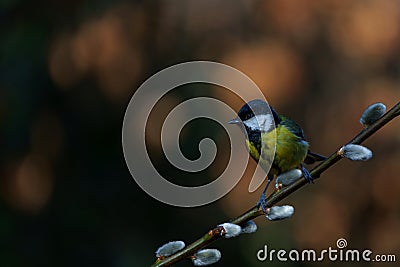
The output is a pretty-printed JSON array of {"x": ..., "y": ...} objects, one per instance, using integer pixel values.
[{"x": 262, "y": 122}]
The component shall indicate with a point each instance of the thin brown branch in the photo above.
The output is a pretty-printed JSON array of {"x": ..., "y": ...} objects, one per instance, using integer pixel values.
[{"x": 277, "y": 196}]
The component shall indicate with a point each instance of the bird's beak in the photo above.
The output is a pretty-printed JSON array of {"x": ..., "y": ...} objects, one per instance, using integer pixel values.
[{"x": 235, "y": 121}]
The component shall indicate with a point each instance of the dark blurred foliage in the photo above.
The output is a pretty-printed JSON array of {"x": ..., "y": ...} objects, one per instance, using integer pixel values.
[{"x": 69, "y": 68}]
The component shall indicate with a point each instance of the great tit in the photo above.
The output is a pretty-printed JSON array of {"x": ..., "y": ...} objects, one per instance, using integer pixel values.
[{"x": 291, "y": 151}]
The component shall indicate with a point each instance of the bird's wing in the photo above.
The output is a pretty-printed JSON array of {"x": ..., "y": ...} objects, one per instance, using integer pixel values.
[
  {"x": 312, "y": 157},
  {"x": 292, "y": 126}
]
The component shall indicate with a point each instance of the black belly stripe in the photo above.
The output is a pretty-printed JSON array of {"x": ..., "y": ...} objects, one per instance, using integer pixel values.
[{"x": 254, "y": 137}]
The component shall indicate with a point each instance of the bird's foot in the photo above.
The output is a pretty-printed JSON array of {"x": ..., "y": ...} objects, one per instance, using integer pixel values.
[
  {"x": 307, "y": 174},
  {"x": 263, "y": 199},
  {"x": 262, "y": 203}
]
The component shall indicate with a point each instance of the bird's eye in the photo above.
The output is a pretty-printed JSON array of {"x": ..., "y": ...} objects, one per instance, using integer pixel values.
[{"x": 245, "y": 115}]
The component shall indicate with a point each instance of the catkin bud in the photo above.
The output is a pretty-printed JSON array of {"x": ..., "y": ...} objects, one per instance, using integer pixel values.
[
  {"x": 230, "y": 229},
  {"x": 372, "y": 114},
  {"x": 169, "y": 248},
  {"x": 279, "y": 212},
  {"x": 288, "y": 177},
  {"x": 249, "y": 227},
  {"x": 355, "y": 152},
  {"x": 206, "y": 257}
]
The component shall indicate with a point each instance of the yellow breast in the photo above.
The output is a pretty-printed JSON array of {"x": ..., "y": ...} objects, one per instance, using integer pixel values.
[{"x": 290, "y": 150}]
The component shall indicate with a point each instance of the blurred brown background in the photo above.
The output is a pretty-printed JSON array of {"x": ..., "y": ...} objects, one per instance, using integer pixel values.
[{"x": 69, "y": 68}]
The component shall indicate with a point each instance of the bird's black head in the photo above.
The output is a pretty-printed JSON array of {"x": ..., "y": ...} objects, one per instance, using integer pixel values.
[
  {"x": 254, "y": 118},
  {"x": 256, "y": 107}
]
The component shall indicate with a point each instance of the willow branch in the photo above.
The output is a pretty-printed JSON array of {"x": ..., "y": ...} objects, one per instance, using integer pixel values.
[{"x": 277, "y": 196}]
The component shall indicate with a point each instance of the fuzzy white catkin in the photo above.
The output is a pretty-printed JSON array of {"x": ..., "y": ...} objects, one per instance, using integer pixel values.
[
  {"x": 355, "y": 152},
  {"x": 169, "y": 248},
  {"x": 372, "y": 114},
  {"x": 249, "y": 227},
  {"x": 206, "y": 257},
  {"x": 231, "y": 230},
  {"x": 280, "y": 212},
  {"x": 288, "y": 177}
]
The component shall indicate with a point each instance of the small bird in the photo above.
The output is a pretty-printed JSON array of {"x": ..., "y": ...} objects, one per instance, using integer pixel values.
[{"x": 291, "y": 151}]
